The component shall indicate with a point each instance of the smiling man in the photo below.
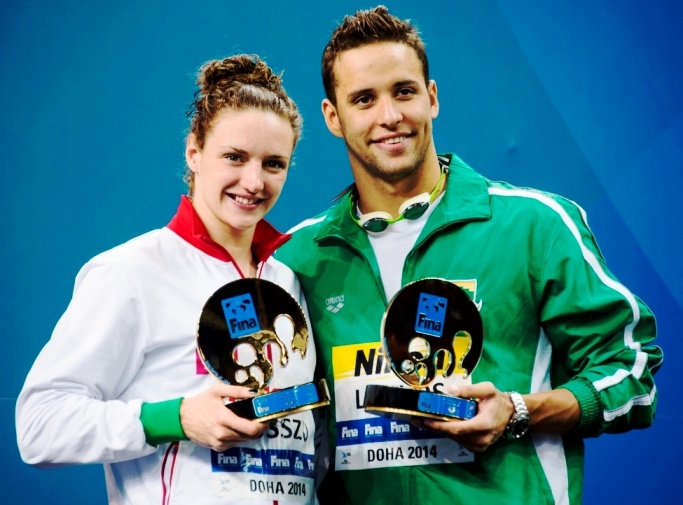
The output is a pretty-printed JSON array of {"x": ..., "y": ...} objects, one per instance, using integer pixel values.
[{"x": 567, "y": 349}]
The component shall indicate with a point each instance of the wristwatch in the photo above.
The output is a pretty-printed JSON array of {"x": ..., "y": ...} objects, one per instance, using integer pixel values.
[{"x": 519, "y": 422}]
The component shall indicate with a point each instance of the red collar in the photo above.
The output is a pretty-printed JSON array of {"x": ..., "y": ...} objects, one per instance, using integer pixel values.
[{"x": 187, "y": 224}]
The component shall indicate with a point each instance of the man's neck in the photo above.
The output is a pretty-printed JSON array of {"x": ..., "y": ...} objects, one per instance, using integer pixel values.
[{"x": 379, "y": 195}]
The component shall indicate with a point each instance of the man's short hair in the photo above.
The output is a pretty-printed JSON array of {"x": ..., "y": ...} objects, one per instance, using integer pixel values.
[{"x": 369, "y": 27}]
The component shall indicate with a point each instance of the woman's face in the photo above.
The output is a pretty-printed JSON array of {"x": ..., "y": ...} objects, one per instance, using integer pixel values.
[{"x": 239, "y": 173}]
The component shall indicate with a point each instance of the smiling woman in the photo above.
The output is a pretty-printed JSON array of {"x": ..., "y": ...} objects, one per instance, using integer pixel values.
[
  {"x": 243, "y": 131},
  {"x": 136, "y": 397},
  {"x": 238, "y": 176}
]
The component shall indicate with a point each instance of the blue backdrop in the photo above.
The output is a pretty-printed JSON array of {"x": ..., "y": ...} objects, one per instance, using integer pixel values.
[{"x": 578, "y": 97}]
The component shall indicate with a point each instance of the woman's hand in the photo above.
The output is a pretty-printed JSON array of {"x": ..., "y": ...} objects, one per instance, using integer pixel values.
[{"x": 206, "y": 420}]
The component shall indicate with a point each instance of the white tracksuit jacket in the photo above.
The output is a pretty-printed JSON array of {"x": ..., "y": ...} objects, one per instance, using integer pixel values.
[{"x": 128, "y": 337}]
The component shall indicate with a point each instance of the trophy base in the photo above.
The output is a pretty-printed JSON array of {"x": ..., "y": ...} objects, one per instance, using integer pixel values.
[
  {"x": 283, "y": 402},
  {"x": 404, "y": 403}
]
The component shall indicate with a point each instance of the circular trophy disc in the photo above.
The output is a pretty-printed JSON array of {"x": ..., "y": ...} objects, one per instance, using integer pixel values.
[
  {"x": 244, "y": 312},
  {"x": 431, "y": 328}
]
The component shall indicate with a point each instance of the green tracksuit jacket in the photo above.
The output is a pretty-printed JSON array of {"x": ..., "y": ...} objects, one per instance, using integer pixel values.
[{"x": 553, "y": 316}]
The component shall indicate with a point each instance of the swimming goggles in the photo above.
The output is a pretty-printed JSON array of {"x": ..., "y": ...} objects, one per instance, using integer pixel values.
[{"x": 413, "y": 208}]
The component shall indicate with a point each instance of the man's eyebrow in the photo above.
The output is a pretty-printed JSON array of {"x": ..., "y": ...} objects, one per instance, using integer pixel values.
[
  {"x": 407, "y": 82},
  {"x": 351, "y": 96}
]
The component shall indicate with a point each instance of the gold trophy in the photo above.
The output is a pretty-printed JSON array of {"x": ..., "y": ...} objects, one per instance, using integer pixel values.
[
  {"x": 237, "y": 322},
  {"x": 431, "y": 328}
]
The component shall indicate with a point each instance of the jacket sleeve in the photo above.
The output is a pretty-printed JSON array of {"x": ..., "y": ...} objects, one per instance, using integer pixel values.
[
  {"x": 68, "y": 411},
  {"x": 601, "y": 333}
]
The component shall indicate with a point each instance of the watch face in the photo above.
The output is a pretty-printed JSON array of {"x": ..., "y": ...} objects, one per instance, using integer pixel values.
[{"x": 519, "y": 428}]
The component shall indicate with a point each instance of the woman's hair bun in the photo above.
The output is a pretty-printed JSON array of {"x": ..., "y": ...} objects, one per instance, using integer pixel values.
[
  {"x": 239, "y": 82},
  {"x": 242, "y": 68}
]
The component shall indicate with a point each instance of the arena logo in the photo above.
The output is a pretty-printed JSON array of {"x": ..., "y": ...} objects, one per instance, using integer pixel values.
[{"x": 335, "y": 303}]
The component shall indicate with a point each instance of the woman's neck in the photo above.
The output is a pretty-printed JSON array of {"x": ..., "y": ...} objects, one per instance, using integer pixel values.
[
  {"x": 239, "y": 248},
  {"x": 244, "y": 259},
  {"x": 238, "y": 244}
]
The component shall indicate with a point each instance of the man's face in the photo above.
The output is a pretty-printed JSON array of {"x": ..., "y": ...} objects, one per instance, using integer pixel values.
[{"x": 384, "y": 110}]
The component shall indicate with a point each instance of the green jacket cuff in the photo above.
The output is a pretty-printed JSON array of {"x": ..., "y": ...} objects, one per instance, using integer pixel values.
[
  {"x": 590, "y": 404},
  {"x": 161, "y": 422}
]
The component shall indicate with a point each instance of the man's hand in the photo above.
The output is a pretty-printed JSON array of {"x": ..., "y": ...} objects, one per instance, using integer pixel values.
[
  {"x": 494, "y": 411},
  {"x": 556, "y": 411},
  {"x": 206, "y": 421}
]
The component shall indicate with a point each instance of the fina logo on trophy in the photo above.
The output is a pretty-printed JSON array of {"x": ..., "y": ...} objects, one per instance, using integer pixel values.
[
  {"x": 431, "y": 328},
  {"x": 236, "y": 323}
]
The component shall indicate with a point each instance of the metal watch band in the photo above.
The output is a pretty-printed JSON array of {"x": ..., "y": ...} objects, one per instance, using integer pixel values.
[{"x": 519, "y": 422}]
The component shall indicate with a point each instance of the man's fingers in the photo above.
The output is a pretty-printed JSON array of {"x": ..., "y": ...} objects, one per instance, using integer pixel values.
[{"x": 478, "y": 390}]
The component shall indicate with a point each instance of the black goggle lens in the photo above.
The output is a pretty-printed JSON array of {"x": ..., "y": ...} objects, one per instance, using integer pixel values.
[
  {"x": 376, "y": 225},
  {"x": 415, "y": 211}
]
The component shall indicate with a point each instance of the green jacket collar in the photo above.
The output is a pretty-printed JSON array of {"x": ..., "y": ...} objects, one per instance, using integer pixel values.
[{"x": 466, "y": 199}]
